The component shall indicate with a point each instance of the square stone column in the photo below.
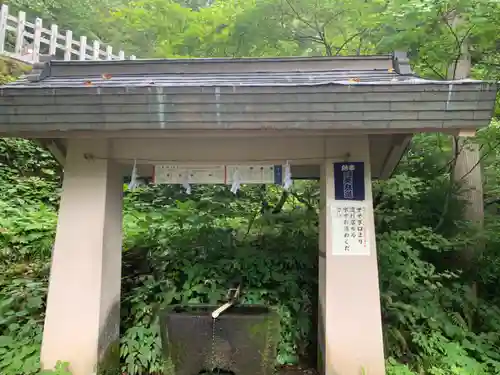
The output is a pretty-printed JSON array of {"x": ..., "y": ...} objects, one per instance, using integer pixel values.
[
  {"x": 83, "y": 304},
  {"x": 350, "y": 325}
]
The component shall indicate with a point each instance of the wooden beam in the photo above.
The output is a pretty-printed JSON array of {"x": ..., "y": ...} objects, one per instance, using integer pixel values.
[{"x": 55, "y": 147}]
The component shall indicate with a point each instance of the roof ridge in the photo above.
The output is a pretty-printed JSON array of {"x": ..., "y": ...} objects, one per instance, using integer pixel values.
[{"x": 50, "y": 67}]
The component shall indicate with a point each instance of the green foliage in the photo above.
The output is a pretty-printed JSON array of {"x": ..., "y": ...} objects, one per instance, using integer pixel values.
[
  {"x": 189, "y": 252},
  {"x": 61, "y": 368},
  {"x": 10, "y": 70},
  {"x": 23, "y": 289},
  {"x": 29, "y": 173},
  {"x": 28, "y": 198}
]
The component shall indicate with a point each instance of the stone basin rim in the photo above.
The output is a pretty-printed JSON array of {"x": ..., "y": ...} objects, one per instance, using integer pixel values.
[{"x": 205, "y": 310}]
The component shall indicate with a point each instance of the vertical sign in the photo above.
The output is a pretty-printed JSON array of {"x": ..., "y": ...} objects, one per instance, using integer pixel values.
[
  {"x": 349, "y": 180},
  {"x": 348, "y": 211},
  {"x": 349, "y": 229}
]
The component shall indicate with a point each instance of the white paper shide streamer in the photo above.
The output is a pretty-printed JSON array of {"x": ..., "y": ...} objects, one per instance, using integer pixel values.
[
  {"x": 186, "y": 183},
  {"x": 287, "y": 177},
  {"x": 134, "y": 183},
  {"x": 236, "y": 182}
]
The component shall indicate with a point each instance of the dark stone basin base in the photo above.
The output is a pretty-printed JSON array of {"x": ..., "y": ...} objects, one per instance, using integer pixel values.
[{"x": 242, "y": 340}]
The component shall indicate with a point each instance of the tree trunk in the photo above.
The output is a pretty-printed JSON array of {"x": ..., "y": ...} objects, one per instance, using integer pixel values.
[
  {"x": 467, "y": 167},
  {"x": 468, "y": 175}
]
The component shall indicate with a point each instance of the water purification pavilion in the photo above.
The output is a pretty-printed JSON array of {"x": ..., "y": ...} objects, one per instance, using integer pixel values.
[{"x": 344, "y": 120}]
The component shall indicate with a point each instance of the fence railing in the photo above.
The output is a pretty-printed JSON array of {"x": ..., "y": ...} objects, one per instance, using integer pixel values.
[{"x": 26, "y": 41}]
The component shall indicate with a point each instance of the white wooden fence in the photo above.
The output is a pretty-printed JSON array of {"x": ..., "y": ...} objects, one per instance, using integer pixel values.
[{"x": 24, "y": 41}]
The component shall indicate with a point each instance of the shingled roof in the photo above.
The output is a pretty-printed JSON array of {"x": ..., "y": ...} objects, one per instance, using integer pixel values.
[{"x": 356, "y": 92}]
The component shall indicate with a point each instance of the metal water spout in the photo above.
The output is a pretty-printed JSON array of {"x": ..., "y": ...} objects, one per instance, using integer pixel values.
[{"x": 232, "y": 296}]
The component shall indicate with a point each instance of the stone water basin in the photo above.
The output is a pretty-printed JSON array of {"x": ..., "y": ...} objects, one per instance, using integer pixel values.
[{"x": 241, "y": 341}]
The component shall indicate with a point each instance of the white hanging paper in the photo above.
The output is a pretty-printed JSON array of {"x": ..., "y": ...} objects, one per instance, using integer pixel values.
[
  {"x": 236, "y": 182},
  {"x": 186, "y": 184},
  {"x": 287, "y": 177},
  {"x": 134, "y": 183}
]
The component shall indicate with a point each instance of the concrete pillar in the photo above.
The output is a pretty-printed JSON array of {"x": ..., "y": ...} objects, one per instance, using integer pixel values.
[
  {"x": 350, "y": 337},
  {"x": 83, "y": 304}
]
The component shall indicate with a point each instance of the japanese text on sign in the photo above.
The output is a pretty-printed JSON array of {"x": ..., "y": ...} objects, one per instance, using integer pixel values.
[
  {"x": 349, "y": 229},
  {"x": 349, "y": 179},
  {"x": 218, "y": 174}
]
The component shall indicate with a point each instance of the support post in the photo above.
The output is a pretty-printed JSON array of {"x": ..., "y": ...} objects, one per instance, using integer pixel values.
[
  {"x": 350, "y": 324},
  {"x": 83, "y": 304}
]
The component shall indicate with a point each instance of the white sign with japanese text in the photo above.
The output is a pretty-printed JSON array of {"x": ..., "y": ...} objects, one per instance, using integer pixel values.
[
  {"x": 349, "y": 231},
  {"x": 218, "y": 174},
  {"x": 179, "y": 174}
]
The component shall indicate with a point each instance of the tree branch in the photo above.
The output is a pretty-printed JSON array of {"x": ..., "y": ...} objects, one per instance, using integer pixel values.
[
  {"x": 309, "y": 37},
  {"x": 320, "y": 30},
  {"x": 428, "y": 65},
  {"x": 299, "y": 17},
  {"x": 342, "y": 46},
  {"x": 279, "y": 206},
  {"x": 483, "y": 156},
  {"x": 302, "y": 200}
]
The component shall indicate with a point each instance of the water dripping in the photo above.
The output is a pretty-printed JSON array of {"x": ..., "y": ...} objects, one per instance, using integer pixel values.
[{"x": 213, "y": 355}]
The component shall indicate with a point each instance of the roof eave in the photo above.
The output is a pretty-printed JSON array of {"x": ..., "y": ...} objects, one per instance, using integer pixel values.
[{"x": 334, "y": 107}]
